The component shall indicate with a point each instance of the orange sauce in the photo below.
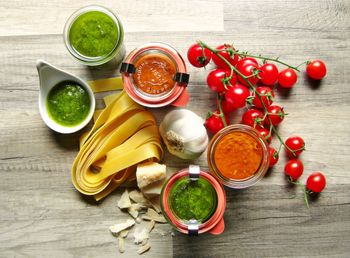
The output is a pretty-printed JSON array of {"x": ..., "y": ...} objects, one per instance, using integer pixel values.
[
  {"x": 238, "y": 155},
  {"x": 154, "y": 74}
]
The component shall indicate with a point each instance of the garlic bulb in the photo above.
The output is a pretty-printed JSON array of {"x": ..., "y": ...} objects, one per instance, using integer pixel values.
[{"x": 184, "y": 134}]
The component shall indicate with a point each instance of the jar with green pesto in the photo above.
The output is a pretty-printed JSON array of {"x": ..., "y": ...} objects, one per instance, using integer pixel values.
[
  {"x": 194, "y": 202},
  {"x": 94, "y": 36}
]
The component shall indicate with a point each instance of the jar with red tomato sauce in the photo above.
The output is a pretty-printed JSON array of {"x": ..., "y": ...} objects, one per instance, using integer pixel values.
[
  {"x": 238, "y": 156},
  {"x": 154, "y": 75}
]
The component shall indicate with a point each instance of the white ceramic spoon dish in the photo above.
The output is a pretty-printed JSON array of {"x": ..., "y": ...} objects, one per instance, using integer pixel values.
[{"x": 49, "y": 77}]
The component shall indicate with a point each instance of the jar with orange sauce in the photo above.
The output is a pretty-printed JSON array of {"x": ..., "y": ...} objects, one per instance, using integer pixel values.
[
  {"x": 238, "y": 156},
  {"x": 154, "y": 75}
]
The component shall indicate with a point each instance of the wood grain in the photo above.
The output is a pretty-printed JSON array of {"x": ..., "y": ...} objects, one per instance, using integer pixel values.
[
  {"x": 155, "y": 15},
  {"x": 42, "y": 215}
]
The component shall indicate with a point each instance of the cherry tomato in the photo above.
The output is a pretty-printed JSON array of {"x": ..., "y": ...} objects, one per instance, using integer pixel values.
[
  {"x": 215, "y": 79},
  {"x": 294, "y": 168},
  {"x": 273, "y": 156},
  {"x": 265, "y": 133},
  {"x": 195, "y": 55},
  {"x": 276, "y": 115},
  {"x": 316, "y": 182},
  {"x": 214, "y": 123},
  {"x": 220, "y": 63},
  {"x": 247, "y": 70},
  {"x": 316, "y": 69},
  {"x": 268, "y": 74},
  {"x": 253, "y": 117},
  {"x": 267, "y": 96},
  {"x": 236, "y": 96},
  {"x": 246, "y": 60},
  {"x": 287, "y": 78},
  {"x": 296, "y": 144}
]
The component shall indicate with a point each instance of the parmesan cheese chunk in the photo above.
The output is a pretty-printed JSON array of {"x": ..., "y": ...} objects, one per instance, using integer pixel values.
[
  {"x": 144, "y": 248},
  {"x": 141, "y": 235},
  {"x": 148, "y": 173},
  {"x": 138, "y": 197},
  {"x": 124, "y": 201},
  {"x": 115, "y": 229}
]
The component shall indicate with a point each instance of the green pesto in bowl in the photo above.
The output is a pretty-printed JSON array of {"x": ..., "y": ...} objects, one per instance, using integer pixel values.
[{"x": 68, "y": 103}]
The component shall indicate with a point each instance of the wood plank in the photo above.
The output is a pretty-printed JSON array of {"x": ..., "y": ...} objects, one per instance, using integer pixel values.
[
  {"x": 155, "y": 15},
  {"x": 42, "y": 214}
]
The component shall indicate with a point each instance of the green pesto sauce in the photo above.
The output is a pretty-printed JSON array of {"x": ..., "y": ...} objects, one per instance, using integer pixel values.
[
  {"x": 193, "y": 199},
  {"x": 68, "y": 103},
  {"x": 93, "y": 34}
]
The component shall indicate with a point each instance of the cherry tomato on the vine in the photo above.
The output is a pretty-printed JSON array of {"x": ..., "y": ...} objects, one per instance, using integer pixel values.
[
  {"x": 294, "y": 168},
  {"x": 287, "y": 78},
  {"x": 214, "y": 123},
  {"x": 268, "y": 74},
  {"x": 215, "y": 79},
  {"x": 316, "y": 182},
  {"x": 253, "y": 117},
  {"x": 225, "y": 54},
  {"x": 316, "y": 69},
  {"x": 265, "y": 133},
  {"x": 246, "y": 60},
  {"x": 195, "y": 55},
  {"x": 276, "y": 115},
  {"x": 267, "y": 96},
  {"x": 273, "y": 156},
  {"x": 296, "y": 144},
  {"x": 248, "y": 70},
  {"x": 236, "y": 96}
]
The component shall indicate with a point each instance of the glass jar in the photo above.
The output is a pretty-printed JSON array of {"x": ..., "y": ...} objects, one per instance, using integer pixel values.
[
  {"x": 213, "y": 218},
  {"x": 154, "y": 75},
  {"x": 94, "y": 35},
  {"x": 238, "y": 156}
]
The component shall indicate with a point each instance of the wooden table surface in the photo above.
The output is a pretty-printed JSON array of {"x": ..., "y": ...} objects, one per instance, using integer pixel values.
[{"x": 42, "y": 215}]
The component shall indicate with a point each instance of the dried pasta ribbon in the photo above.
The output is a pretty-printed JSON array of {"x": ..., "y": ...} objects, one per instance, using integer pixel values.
[
  {"x": 124, "y": 134},
  {"x": 114, "y": 83}
]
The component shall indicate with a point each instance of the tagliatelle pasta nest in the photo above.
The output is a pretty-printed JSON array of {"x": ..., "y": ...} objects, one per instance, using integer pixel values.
[{"x": 124, "y": 134}]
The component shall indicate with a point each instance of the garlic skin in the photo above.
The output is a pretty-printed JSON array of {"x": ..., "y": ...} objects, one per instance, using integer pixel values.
[{"x": 184, "y": 134}]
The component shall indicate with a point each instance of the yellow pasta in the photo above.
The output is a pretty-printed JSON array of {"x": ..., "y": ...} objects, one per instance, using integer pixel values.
[
  {"x": 114, "y": 83},
  {"x": 124, "y": 134}
]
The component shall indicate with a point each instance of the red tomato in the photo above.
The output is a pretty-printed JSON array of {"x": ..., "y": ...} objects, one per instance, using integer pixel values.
[
  {"x": 316, "y": 69},
  {"x": 195, "y": 55},
  {"x": 267, "y": 96},
  {"x": 294, "y": 168},
  {"x": 265, "y": 133},
  {"x": 247, "y": 70},
  {"x": 236, "y": 96},
  {"x": 287, "y": 78},
  {"x": 214, "y": 123},
  {"x": 215, "y": 79},
  {"x": 273, "y": 156},
  {"x": 246, "y": 60},
  {"x": 276, "y": 115},
  {"x": 296, "y": 144},
  {"x": 268, "y": 74},
  {"x": 253, "y": 117},
  {"x": 225, "y": 54},
  {"x": 316, "y": 182}
]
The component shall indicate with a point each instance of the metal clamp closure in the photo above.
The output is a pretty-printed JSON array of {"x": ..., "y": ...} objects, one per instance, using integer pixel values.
[
  {"x": 182, "y": 78},
  {"x": 194, "y": 172},
  {"x": 193, "y": 227},
  {"x": 127, "y": 68}
]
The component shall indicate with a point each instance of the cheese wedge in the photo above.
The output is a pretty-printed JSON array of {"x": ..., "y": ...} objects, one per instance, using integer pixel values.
[{"x": 148, "y": 173}]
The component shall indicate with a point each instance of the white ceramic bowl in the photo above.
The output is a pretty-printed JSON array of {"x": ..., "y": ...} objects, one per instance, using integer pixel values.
[{"x": 49, "y": 77}]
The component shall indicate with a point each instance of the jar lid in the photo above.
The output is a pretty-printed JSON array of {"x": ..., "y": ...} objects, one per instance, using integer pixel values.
[
  {"x": 154, "y": 75},
  {"x": 193, "y": 226}
]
